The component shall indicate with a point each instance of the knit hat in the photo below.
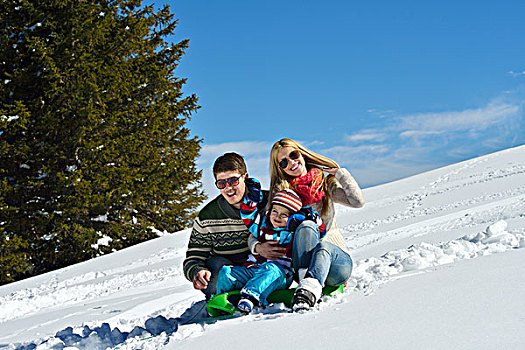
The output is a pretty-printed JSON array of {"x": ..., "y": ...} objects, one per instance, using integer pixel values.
[{"x": 288, "y": 199}]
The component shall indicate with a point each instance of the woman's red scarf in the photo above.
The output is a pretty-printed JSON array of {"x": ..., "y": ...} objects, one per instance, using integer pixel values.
[{"x": 306, "y": 186}]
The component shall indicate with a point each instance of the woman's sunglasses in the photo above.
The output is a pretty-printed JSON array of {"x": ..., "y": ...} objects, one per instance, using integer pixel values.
[
  {"x": 283, "y": 164},
  {"x": 232, "y": 181}
]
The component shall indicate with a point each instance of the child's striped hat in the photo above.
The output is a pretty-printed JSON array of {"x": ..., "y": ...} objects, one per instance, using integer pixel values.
[{"x": 288, "y": 199}]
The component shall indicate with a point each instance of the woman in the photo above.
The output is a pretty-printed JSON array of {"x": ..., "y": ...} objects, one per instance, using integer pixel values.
[{"x": 317, "y": 262}]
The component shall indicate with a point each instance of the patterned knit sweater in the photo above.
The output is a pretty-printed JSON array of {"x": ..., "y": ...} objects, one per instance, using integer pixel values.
[{"x": 218, "y": 230}]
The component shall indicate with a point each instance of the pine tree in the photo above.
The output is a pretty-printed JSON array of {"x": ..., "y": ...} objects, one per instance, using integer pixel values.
[{"x": 93, "y": 136}]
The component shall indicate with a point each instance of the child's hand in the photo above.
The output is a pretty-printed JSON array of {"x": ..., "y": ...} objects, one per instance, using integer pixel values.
[
  {"x": 294, "y": 221},
  {"x": 253, "y": 187},
  {"x": 306, "y": 213}
]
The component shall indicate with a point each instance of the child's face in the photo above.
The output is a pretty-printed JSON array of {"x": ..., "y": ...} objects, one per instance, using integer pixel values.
[{"x": 279, "y": 216}]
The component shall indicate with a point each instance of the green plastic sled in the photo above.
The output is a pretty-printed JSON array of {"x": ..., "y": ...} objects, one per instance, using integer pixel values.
[{"x": 224, "y": 304}]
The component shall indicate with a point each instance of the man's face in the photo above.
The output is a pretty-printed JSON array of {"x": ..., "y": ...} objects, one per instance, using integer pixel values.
[{"x": 234, "y": 194}]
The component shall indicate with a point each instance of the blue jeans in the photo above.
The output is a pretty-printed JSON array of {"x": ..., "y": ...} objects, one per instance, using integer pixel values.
[
  {"x": 324, "y": 261},
  {"x": 257, "y": 282}
]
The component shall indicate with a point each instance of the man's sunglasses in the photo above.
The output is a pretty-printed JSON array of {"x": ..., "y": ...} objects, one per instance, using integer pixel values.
[
  {"x": 283, "y": 164},
  {"x": 232, "y": 181}
]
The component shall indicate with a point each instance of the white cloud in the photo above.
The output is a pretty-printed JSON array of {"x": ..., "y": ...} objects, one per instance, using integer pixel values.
[
  {"x": 418, "y": 133},
  {"x": 380, "y": 113},
  {"x": 421, "y": 126},
  {"x": 409, "y": 144},
  {"x": 516, "y": 74},
  {"x": 453, "y": 121},
  {"x": 366, "y": 136},
  {"x": 312, "y": 143},
  {"x": 350, "y": 150}
]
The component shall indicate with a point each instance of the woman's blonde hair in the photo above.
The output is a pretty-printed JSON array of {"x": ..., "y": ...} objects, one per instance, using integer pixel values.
[{"x": 279, "y": 180}]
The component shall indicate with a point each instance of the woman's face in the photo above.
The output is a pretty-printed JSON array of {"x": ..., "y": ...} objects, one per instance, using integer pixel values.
[{"x": 295, "y": 167}]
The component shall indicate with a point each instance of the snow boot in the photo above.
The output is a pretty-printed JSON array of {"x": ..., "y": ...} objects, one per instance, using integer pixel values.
[
  {"x": 307, "y": 294},
  {"x": 245, "y": 306},
  {"x": 247, "y": 303}
]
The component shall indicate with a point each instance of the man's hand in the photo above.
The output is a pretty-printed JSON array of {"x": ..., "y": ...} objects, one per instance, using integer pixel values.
[
  {"x": 269, "y": 250},
  {"x": 201, "y": 279}
]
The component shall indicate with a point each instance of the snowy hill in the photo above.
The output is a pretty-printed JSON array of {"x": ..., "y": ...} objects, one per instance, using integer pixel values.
[{"x": 439, "y": 264}]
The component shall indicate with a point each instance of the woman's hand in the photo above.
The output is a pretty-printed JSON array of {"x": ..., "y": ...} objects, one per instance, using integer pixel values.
[
  {"x": 330, "y": 171},
  {"x": 269, "y": 250}
]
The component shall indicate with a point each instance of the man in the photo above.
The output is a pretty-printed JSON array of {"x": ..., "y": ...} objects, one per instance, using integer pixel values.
[{"x": 219, "y": 237}]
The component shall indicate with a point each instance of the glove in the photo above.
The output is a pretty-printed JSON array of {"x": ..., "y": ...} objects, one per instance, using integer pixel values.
[
  {"x": 306, "y": 213},
  {"x": 253, "y": 187},
  {"x": 294, "y": 221}
]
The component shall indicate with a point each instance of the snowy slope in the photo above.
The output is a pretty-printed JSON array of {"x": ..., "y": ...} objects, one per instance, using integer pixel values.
[{"x": 439, "y": 264}]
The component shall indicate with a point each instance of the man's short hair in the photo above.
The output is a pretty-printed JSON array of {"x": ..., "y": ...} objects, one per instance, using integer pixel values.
[{"x": 229, "y": 162}]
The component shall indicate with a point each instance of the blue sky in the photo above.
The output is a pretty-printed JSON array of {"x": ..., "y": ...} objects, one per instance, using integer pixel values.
[{"x": 388, "y": 89}]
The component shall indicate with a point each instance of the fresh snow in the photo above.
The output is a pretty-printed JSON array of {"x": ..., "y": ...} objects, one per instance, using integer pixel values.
[{"x": 438, "y": 265}]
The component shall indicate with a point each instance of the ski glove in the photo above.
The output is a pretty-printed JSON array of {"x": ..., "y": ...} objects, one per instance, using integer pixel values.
[
  {"x": 254, "y": 192},
  {"x": 306, "y": 213}
]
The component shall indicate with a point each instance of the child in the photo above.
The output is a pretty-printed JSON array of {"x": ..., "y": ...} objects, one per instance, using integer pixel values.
[{"x": 259, "y": 277}]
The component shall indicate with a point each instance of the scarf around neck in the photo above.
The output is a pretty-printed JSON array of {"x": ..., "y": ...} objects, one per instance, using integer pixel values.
[{"x": 305, "y": 187}]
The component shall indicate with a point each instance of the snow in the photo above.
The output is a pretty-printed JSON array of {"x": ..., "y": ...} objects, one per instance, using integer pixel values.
[
  {"x": 9, "y": 117},
  {"x": 103, "y": 218},
  {"x": 102, "y": 241},
  {"x": 438, "y": 265}
]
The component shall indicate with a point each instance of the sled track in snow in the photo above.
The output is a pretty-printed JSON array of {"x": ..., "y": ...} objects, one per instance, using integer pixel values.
[
  {"x": 82, "y": 289},
  {"x": 481, "y": 214}
]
